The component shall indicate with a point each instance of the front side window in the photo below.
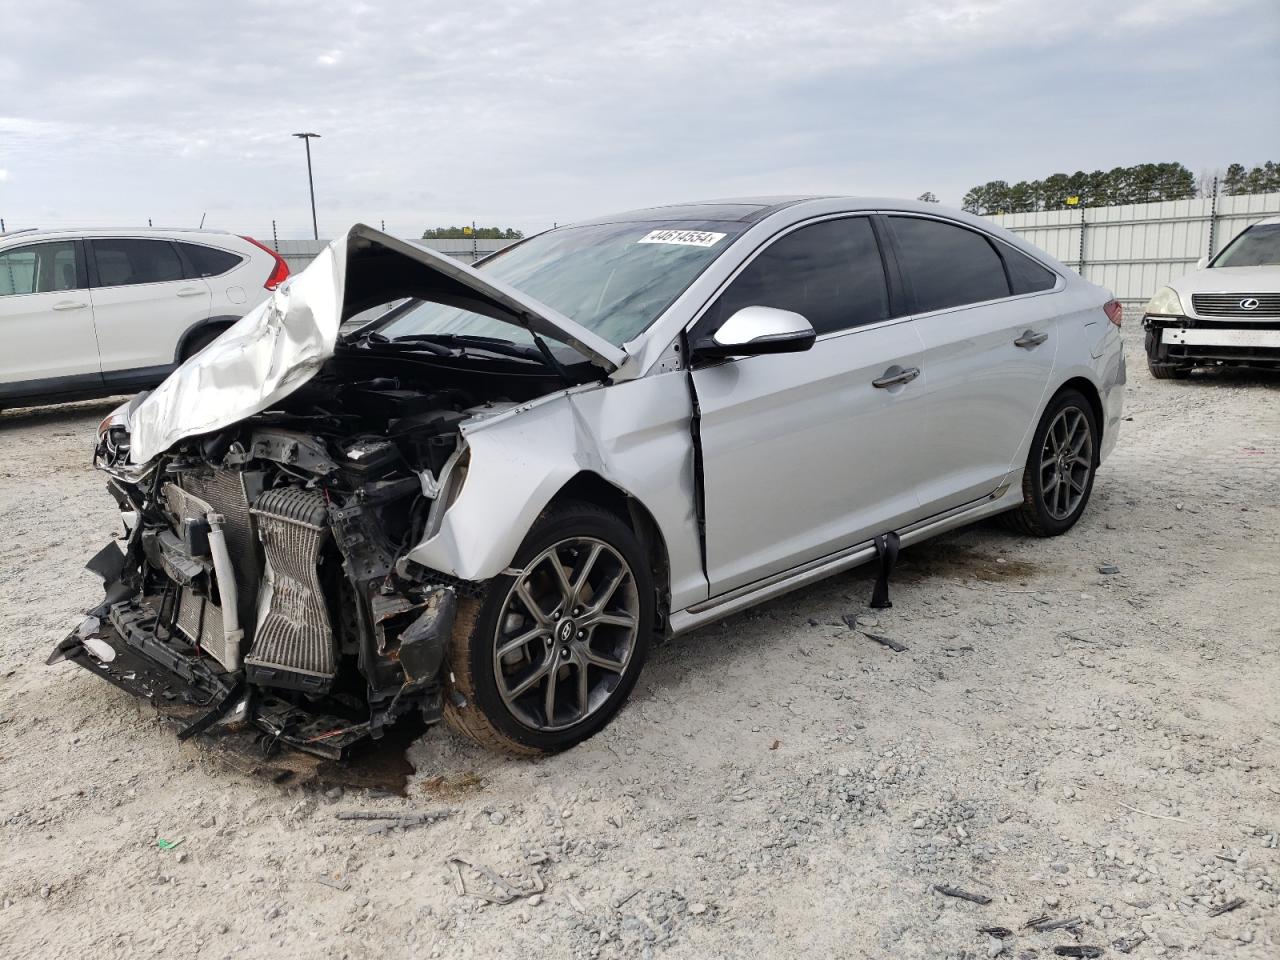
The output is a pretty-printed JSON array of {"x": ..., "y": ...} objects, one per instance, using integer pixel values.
[
  {"x": 124, "y": 262},
  {"x": 39, "y": 268},
  {"x": 946, "y": 265},
  {"x": 1259, "y": 246},
  {"x": 830, "y": 273},
  {"x": 612, "y": 278}
]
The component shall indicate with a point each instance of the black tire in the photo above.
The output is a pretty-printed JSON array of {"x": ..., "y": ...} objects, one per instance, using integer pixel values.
[
  {"x": 1168, "y": 371},
  {"x": 473, "y": 705},
  {"x": 1036, "y": 516},
  {"x": 1158, "y": 360},
  {"x": 198, "y": 341}
]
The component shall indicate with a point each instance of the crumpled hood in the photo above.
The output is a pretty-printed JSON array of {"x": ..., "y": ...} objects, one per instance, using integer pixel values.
[
  {"x": 282, "y": 343},
  {"x": 1239, "y": 280}
]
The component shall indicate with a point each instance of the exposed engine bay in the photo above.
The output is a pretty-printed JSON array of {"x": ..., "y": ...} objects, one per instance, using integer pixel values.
[{"x": 265, "y": 563}]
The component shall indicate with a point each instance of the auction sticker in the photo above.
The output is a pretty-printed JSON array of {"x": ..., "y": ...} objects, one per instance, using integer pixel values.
[{"x": 683, "y": 238}]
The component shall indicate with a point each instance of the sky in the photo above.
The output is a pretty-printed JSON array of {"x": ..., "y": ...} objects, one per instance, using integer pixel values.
[{"x": 526, "y": 114}]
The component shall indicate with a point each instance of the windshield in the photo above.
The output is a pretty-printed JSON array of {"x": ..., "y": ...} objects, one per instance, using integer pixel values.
[
  {"x": 1259, "y": 246},
  {"x": 614, "y": 278}
]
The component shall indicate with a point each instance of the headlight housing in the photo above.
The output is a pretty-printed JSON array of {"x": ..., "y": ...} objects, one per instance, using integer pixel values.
[{"x": 1164, "y": 304}]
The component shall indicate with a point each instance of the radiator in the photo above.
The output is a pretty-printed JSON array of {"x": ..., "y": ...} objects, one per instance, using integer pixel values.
[{"x": 294, "y": 644}]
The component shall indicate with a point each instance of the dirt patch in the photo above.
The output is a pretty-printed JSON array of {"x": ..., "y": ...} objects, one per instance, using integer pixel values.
[{"x": 958, "y": 560}]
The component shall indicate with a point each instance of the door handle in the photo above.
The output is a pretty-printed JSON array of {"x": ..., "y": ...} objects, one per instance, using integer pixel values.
[
  {"x": 190, "y": 292},
  {"x": 70, "y": 305},
  {"x": 891, "y": 379},
  {"x": 1030, "y": 339}
]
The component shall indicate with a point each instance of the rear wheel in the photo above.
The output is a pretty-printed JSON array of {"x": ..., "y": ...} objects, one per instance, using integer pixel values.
[
  {"x": 547, "y": 656},
  {"x": 1058, "y": 478}
]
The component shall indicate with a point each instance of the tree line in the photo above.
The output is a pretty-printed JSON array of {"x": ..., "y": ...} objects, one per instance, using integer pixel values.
[
  {"x": 1142, "y": 183},
  {"x": 466, "y": 233}
]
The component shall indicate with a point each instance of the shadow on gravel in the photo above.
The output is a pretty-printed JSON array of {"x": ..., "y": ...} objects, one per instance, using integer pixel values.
[
  {"x": 1232, "y": 377},
  {"x": 20, "y": 417}
]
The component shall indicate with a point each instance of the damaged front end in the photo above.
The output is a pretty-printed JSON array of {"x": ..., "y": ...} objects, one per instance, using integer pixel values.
[
  {"x": 270, "y": 492},
  {"x": 259, "y": 569}
]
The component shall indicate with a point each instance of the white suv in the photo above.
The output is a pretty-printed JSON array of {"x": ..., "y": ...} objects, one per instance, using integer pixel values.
[{"x": 91, "y": 313}]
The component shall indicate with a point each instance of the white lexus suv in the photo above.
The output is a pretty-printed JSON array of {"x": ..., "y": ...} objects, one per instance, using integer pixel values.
[
  {"x": 1226, "y": 313},
  {"x": 93, "y": 313}
]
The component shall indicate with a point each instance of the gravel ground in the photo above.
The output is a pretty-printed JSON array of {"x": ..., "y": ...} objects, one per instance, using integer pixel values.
[{"x": 1093, "y": 748}]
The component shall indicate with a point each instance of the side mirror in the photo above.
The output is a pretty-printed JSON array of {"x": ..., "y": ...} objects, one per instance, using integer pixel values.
[
  {"x": 757, "y": 330},
  {"x": 1202, "y": 263}
]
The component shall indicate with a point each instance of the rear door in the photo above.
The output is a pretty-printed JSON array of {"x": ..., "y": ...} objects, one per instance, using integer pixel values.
[
  {"x": 803, "y": 455},
  {"x": 985, "y": 315},
  {"x": 46, "y": 320},
  {"x": 141, "y": 302}
]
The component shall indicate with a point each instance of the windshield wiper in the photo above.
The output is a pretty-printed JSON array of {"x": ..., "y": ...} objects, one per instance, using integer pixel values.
[{"x": 462, "y": 341}]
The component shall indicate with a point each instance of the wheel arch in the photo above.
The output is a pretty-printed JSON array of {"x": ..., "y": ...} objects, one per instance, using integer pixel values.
[
  {"x": 1091, "y": 393},
  {"x": 219, "y": 323},
  {"x": 589, "y": 486}
]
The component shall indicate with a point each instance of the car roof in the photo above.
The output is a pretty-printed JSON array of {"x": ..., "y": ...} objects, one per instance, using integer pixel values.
[
  {"x": 734, "y": 209},
  {"x": 80, "y": 232},
  {"x": 751, "y": 210}
]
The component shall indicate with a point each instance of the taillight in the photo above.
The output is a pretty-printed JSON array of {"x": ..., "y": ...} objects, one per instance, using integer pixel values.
[
  {"x": 279, "y": 272},
  {"x": 1114, "y": 310}
]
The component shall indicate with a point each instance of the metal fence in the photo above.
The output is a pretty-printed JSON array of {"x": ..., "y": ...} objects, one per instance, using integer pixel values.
[
  {"x": 1135, "y": 249},
  {"x": 298, "y": 253}
]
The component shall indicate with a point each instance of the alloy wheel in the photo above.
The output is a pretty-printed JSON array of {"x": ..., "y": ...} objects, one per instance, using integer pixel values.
[
  {"x": 1066, "y": 461},
  {"x": 566, "y": 633}
]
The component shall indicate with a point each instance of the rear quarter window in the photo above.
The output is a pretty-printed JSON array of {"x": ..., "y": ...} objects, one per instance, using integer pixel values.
[
  {"x": 207, "y": 261},
  {"x": 1025, "y": 275}
]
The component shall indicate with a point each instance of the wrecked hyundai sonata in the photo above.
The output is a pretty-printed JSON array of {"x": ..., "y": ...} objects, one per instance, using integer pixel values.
[{"x": 484, "y": 503}]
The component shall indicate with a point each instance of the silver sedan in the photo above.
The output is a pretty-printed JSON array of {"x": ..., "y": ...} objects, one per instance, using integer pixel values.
[{"x": 484, "y": 503}]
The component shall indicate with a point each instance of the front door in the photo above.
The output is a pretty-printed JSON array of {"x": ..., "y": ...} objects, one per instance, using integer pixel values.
[
  {"x": 46, "y": 320},
  {"x": 803, "y": 454},
  {"x": 142, "y": 304},
  {"x": 985, "y": 316}
]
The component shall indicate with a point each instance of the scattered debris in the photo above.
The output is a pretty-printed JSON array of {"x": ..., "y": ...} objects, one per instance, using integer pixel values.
[
  {"x": 335, "y": 884},
  {"x": 1127, "y": 944},
  {"x": 959, "y": 894},
  {"x": 168, "y": 844},
  {"x": 1108, "y": 568},
  {"x": 1074, "y": 950},
  {"x": 1227, "y": 907},
  {"x": 395, "y": 821},
  {"x": 895, "y": 645},
  {"x": 1000, "y": 933},
  {"x": 775, "y": 745},
  {"x": 506, "y": 893},
  {"x": 1044, "y": 925},
  {"x": 1158, "y": 816}
]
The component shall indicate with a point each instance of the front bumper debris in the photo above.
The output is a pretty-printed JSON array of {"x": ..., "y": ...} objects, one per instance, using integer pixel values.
[
  {"x": 188, "y": 694},
  {"x": 1221, "y": 337}
]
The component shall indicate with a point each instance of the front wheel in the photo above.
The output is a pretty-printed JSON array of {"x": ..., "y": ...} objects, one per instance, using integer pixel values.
[
  {"x": 1058, "y": 478},
  {"x": 546, "y": 656}
]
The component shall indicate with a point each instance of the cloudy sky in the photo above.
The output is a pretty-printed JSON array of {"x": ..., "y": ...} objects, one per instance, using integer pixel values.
[{"x": 551, "y": 110}]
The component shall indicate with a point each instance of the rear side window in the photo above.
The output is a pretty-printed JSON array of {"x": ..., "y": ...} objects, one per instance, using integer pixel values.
[
  {"x": 828, "y": 272},
  {"x": 39, "y": 268},
  {"x": 122, "y": 262},
  {"x": 946, "y": 265},
  {"x": 1025, "y": 275},
  {"x": 208, "y": 262}
]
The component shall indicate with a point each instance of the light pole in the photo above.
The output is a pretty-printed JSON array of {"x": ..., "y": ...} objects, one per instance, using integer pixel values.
[{"x": 306, "y": 138}]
